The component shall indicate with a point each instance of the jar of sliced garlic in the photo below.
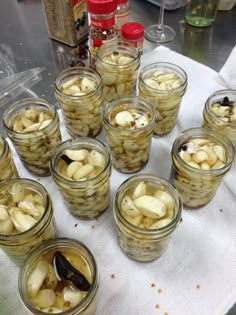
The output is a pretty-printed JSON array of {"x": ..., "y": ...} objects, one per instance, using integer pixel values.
[
  {"x": 201, "y": 158},
  {"x": 147, "y": 210},
  {"x": 32, "y": 124},
  {"x": 26, "y": 217},
  {"x": 220, "y": 113},
  {"x": 60, "y": 277},
  {"x": 129, "y": 124},
  {"x": 81, "y": 168},
  {"x": 79, "y": 93},
  {"x": 7, "y": 165},
  {"x": 163, "y": 84},
  {"x": 118, "y": 64}
]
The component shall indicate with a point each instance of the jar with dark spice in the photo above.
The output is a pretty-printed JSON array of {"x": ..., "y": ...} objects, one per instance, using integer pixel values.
[{"x": 102, "y": 27}]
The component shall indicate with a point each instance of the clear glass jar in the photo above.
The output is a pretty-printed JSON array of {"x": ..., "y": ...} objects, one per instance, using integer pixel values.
[
  {"x": 220, "y": 117},
  {"x": 79, "y": 93},
  {"x": 32, "y": 124},
  {"x": 163, "y": 84},
  {"x": 198, "y": 185},
  {"x": 84, "y": 198},
  {"x": 26, "y": 229},
  {"x": 82, "y": 258},
  {"x": 7, "y": 165},
  {"x": 129, "y": 144},
  {"x": 144, "y": 244},
  {"x": 122, "y": 13},
  {"x": 118, "y": 65}
]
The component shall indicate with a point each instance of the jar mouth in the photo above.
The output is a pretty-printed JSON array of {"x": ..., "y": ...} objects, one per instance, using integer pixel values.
[
  {"x": 167, "y": 229},
  {"x": 81, "y": 142},
  {"x": 196, "y": 133},
  {"x": 74, "y": 72},
  {"x": 52, "y": 245},
  {"x": 170, "y": 66},
  {"x": 36, "y": 187}
]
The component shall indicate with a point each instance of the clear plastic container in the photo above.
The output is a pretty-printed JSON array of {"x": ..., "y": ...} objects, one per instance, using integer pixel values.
[
  {"x": 81, "y": 258},
  {"x": 170, "y": 4},
  {"x": 122, "y": 14},
  {"x": 133, "y": 34},
  {"x": 7, "y": 165},
  {"x": 140, "y": 243}
]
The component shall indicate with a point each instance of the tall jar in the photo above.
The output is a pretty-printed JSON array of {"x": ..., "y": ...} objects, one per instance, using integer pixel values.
[
  {"x": 26, "y": 217},
  {"x": 7, "y": 165},
  {"x": 129, "y": 124},
  {"x": 81, "y": 168},
  {"x": 122, "y": 14},
  {"x": 118, "y": 65},
  {"x": 201, "y": 158},
  {"x": 32, "y": 124},
  {"x": 220, "y": 113},
  {"x": 79, "y": 93},
  {"x": 63, "y": 298},
  {"x": 141, "y": 235},
  {"x": 163, "y": 84},
  {"x": 102, "y": 24}
]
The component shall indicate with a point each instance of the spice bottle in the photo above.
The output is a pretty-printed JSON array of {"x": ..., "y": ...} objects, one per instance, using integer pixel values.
[
  {"x": 102, "y": 24},
  {"x": 133, "y": 33},
  {"x": 122, "y": 14}
]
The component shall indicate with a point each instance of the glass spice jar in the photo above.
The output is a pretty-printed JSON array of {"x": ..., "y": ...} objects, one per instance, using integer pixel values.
[
  {"x": 26, "y": 217},
  {"x": 54, "y": 295},
  {"x": 122, "y": 14},
  {"x": 141, "y": 235},
  {"x": 81, "y": 168},
  {"x": 133, "y": 34},
  {"x": 7, "y": 165},
  {"x": 102, "y": 24},
  {"x": 200, "y": 160},
  {"x": 79, "y": 92},
  {"x": 32, "y": 124}
]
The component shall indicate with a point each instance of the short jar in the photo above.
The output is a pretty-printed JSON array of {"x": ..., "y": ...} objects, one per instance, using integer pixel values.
[
  {"x": 140, "y": 243},
  {"x": 29, "y": 221},
  {"x": 79, "y": 93},
  {"x": 129, "y": 144},
  {"x": 197, "y": 185},
  {"x": 132, "y": 33},
  {"x": 81, "y": 258},
  {"x": 7, "y": 165},
  {"x": 32, "y": 124},
  {"x": 118, "y": 65},
  {"x": 220, "y": 113},
  {"x": 85, "y": 198},
  {"x": 163, "y": 84}
]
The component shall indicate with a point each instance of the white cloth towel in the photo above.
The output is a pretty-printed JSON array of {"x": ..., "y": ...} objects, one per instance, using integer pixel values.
[
  {"x": 197, "y": 274},
  {"x": 228, "y": 72}
]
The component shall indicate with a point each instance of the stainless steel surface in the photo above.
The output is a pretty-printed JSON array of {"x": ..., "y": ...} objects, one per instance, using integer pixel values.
[{"x": 23, "y": 29}]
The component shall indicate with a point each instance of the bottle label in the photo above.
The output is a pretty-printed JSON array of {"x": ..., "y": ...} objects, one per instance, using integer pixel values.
[
  {"x": 121, "y": 19},
  {"x": 103, "y": 24},
  {"x": 80, "y": 18}
]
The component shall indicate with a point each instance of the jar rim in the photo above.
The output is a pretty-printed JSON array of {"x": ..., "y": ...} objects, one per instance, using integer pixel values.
[{"x": 5, "y": 148}]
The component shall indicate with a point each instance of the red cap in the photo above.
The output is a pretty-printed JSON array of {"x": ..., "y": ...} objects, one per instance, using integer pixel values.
[
  {"x": 101, "y": 6},
  {"x": 132, "y": 30},
  {"x": 121, "y": 1}
]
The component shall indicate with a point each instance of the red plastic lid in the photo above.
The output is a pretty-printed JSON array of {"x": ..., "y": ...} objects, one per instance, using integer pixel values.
[
  {"x": 121, "y": 1},
  {"x": 132, "y": 30},
  {"x": 101, "y": 6}
]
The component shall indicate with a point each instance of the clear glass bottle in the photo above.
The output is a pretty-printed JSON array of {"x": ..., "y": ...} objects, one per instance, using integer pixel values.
[
  {"x": 164, "y": 84},
  {"x": 72, "y": 250},
  {"x": 133, "y": 34},
  {"x": 122, "y": 14},
  {"x": 220, "y": 113},
  {"x": 32, "y": 124},
  {"x": 85, "y": 198},
  {"x": 198, "y": 185},
  {"x": 18, "y": 245},
  {"x": 7, "y": 165},
  {"x": 102, "y": 24},
  {"x": 81, "y": 105},
  {"x": 144, "y": 244}
]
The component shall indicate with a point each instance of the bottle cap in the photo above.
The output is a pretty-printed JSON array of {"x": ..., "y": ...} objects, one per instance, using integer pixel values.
[
  {"x": 132, "y": 30},
  {"x": 101, "y": 6}
]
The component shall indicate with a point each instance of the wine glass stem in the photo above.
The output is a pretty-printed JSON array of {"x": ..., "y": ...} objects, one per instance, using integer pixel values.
[{"x": 161, "y": 15}]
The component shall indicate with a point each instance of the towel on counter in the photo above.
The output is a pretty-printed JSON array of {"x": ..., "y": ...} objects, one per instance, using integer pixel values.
[{"x": 228, "y": 72}]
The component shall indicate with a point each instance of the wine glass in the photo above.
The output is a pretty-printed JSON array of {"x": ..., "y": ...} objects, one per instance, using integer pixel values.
[{"x": 159, "y": 33}]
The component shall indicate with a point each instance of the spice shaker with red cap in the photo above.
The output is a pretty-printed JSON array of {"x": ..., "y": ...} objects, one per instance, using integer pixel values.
[{"x": 132, "y": 33}]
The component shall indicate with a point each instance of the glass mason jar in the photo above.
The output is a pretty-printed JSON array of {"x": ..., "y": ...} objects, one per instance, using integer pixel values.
[
  {"x": 135, "y": 237},
  {"x": 220, "y": 113},
  {"x": 129, "y": 141},
  {"x": 62, "y": 296},
  {"x": 26, "y": 217},
  {"x": 79, "y": 93},
  {"x": 7, "y": 166},
  {"x": 118, "y": 64},
  {"x": 32, "y": 124},
  {"x": 201, "y": 158},
  {"x": 86, "y": 197},
  {"x": 163, "y": 84}
]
